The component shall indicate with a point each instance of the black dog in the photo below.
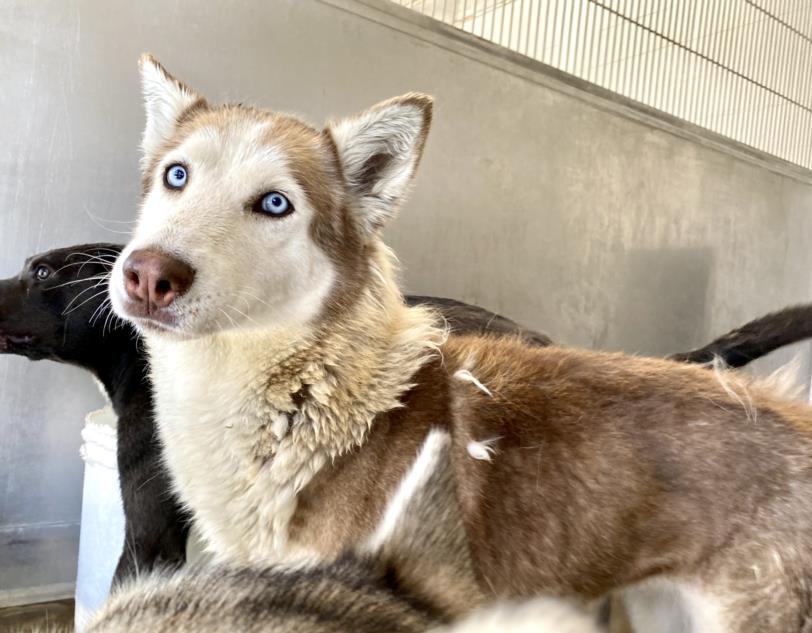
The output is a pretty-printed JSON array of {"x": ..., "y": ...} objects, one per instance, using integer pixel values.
[{"x": 57, "y": 309}]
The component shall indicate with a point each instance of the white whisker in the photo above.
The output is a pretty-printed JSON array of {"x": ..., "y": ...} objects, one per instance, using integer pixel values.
[
  {"x": 73, "y": 282},
  {"x": 241, "y": 313},
  {"x": 228, "y": 316},
  {"x": 98, "y": 294},
  {"x": 110, "y": 318},
  {"x": 76, "y": 298},
  {"x": 98, "y": 223},
  {"x": 97, "y": 313},
  {"x": 253, "y": 296}
]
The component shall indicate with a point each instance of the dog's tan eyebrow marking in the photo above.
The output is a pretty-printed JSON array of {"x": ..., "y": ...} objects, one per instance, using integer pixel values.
[{"x": 299, "y": 143}]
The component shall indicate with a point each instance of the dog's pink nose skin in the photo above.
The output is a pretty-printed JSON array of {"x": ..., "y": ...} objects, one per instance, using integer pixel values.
[{"x": 155, "y": 279}]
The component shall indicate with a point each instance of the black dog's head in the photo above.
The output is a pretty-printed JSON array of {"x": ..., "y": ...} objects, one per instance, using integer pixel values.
[{"x": 57, "y": 307}]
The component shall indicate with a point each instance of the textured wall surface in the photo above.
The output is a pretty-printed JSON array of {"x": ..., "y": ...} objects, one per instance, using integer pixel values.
[{"x": 531, "y": 200}]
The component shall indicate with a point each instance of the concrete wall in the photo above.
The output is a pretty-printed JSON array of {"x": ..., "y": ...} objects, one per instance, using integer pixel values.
[{"x": 568, "y": 212}]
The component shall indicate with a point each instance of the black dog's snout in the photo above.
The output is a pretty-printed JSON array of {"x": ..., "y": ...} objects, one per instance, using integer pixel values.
[{"x": 8, "y": 287}]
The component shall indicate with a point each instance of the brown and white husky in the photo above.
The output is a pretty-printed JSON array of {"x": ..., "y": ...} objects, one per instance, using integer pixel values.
[{"x": 300, "y": 400}]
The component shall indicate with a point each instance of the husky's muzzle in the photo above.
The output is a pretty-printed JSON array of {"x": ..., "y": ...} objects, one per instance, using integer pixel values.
[{"x": 153, "y": 281}]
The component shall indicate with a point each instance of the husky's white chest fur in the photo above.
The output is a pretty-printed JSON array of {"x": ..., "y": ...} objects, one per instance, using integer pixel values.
[{"x": 230, "y": 446}]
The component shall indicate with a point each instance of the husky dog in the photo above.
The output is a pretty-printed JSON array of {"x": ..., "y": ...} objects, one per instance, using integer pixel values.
[{"x": 294, "y": 388}]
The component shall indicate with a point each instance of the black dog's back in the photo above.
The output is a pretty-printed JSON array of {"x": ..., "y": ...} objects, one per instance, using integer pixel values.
[{"x": 464, "y": 318}]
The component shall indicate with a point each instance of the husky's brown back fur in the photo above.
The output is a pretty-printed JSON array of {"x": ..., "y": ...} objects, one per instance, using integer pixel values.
[{"x": 633, "y": 468}]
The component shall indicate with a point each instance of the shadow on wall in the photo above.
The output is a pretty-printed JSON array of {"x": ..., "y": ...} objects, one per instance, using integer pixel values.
[{"x": 662, "y": 300}]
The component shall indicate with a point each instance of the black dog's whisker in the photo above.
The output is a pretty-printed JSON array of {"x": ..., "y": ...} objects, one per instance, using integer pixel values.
[
  {"x": 77, "y": 296},
  {"x": 90, "y": 260},
  {"x": 98, "y": 312},
  {"x": 98, "y": 253},
  {"x": 103, "y": 281},
  {"x": 101, "y": 259},
  {"x": 72, "y": 282},
  {"x": 98, "y": 294},
  {"x": 108, "y": 265},
  {"x": 112, "y": 319},
  {"x": 109, "y": 316}
]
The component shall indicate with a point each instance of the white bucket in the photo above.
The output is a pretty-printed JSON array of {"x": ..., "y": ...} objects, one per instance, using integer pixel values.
[{"x": 101, "y": 534}]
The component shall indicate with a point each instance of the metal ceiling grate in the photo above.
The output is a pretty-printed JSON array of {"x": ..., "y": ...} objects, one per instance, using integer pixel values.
[{"x": 741, "y": 68}]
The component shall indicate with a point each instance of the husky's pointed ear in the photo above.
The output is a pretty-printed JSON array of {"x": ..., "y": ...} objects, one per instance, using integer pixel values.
[
  {"x": 165, "y": 101},
  {"x": 379, "y": 151}
]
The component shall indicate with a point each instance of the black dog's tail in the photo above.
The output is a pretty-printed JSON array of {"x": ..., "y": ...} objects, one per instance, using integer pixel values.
[{"x": 756, "y": 338}]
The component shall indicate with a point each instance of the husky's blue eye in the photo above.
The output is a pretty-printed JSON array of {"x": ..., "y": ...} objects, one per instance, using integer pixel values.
[
  {"x": 176, "y": 176},
  {"x": 275, "y": 204}
]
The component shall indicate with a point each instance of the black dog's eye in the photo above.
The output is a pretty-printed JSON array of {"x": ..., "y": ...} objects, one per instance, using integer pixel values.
[{"x": 42, "y": 272}]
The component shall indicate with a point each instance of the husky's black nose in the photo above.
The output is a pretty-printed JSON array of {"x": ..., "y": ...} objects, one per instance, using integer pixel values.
[{"x": 155, "y": 279}]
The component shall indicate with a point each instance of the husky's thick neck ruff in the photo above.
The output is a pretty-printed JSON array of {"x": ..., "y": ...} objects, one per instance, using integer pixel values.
[
  {"x": 249, "y": 416},
  {"x": 325, "y": 386}
]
